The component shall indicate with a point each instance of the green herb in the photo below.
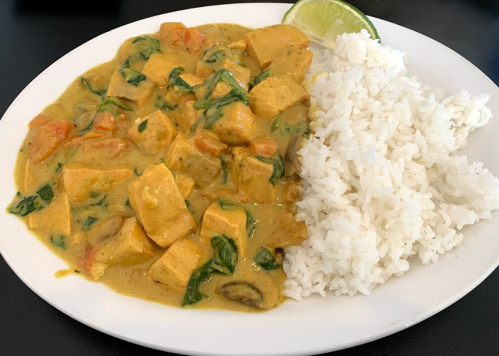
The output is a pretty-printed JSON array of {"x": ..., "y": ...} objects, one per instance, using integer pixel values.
[
  {"x": 104, "y": 106},
  {"x": 225, "y": 169},
  {"x": 58, "y": 241},
  {"x": 214, "y": 107},
  {"x": 179, "y": 85},
  {"x": 198, "y": 277},
  {"x": 250, "y": 224},
  {"x": 93, "y": 194},
  {"x": 212, "y": 58},
  {"x": 278, "y": 167},
  {"x": 189, "y": 207},
  {"x": 147, "y": 45},
  {"x": 127, "y": 203},
  {"x": 26, "y": 206},
  {"x": 224, "y": 252},
  {"x": 225, "y": 76},
  {"x": 115, "y": 101},
  {"x": 226, "y": 205},
  {"x": 88, "y": 223},
  {"x": 264, "y": 259},
  {"x": 275, "y": 124},
  {"x": 87, "y": 84},
  {"x": 59, "y": 167},
  {"x": 132, "y": 76},
  {"x": 102, "y": 202},
  {"x": 162, "y": 105},
  {"x": 87, "y": 128},
  {"x": 137, "y": 172},
  {"x": 264, "y": 74},
  {"x": 142, "y": 126},
  {"x": 242, "y": 64},
  {"x": 163, "y": 161},
  {"x": 46, "y": 193}
]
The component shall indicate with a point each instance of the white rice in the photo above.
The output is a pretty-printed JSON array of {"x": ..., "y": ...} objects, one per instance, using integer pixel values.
[{"x": 380, "y": 183}]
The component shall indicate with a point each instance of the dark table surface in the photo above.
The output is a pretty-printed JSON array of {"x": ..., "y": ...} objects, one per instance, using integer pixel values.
[{"x": 34, "y": 34}]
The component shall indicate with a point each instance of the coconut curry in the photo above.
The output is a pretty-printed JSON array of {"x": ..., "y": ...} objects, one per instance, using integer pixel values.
[{"x": 169, "y": 173}]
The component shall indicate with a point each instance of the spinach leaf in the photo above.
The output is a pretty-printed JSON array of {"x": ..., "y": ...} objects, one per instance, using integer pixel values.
[
  {"x": 250, "y": 225},
  {"x": 87, "y": 84},
  {"x": 26, "y": 206},
  {"x": 189, "y": 207},
  {"x": 104, "y": 106},
  {"x": 142, "y": 126},
  {"x": 46, "y": 193},
  {"x": 88, "y": 223},
  {"x": 225, "y": 169},
  {"x": 225, "y": 76},
  {"x": 115, "y": 101},
  {"x": 102, "y": 202},
  {"x": 264, "y": 259},
  {"x": 58, "y": 241},
  {"x": 132, "y": 76},
  {"x": 87, "y": 128},
  {"x": 137, "y": 172},
  {"x": 264, "y": 74},
  {"x": 146, "y": 46},
  {"x": 226, "y": 205},
  {"x": 198, "y": 277},
  {"x": 214, "y": 107},
  {"x": 275, "y": 124},
  {"x": 59, "y": 167},
  {"x": 212, "y": 58},
  {"x": 163, "y": 161},
  {"x": 278, "y": 167},
  {"x": 162, "y": 105},
  {"x": 179, "y": 85},
  {"x": 127, "y": 203},
  {"x": 93, "y": 194},
  {"x": 224, "y": 252}
]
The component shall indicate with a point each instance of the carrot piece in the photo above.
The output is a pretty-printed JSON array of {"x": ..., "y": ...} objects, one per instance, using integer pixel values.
[
  {"x": 39, "y": 120},
  {"x": 104, "y": 121},
  {"x": 45, "y": 139},
  {"x": 194, "y": 40},
  {"x": 264, "y": 145},
  {"x": 209, "y": 144},
  {"x": 78, "y": 140},
  {"x": 172, "y": 33},
  {"x": 109, "y": 147}
]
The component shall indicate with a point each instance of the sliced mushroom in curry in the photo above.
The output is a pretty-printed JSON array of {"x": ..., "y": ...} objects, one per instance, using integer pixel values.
[{"x": 169, "y": 173}]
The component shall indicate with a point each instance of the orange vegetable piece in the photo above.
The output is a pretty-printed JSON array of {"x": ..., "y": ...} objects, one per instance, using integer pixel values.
[
  {"x": 78, "y": 140},
  {"x": 264, "y": 145},
  {"x": 110, "y": 147},
  {"x": 39, "y": 120},
  {"x": 104, "y": 121},
  {"x": 209, "y": 144},
  {"x": 176, "y": 34},
  {"x": 45, "y": 138}
]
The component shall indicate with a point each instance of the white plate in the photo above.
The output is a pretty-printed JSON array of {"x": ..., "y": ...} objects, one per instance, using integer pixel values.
[{"x": 313, "y": 326}]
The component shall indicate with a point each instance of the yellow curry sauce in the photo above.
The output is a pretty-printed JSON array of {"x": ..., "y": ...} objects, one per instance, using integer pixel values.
[{"x": 169, "y": 173}]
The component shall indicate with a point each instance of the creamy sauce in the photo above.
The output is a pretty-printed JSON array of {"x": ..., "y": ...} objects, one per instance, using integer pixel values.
[{"x": 78, "y": 106}]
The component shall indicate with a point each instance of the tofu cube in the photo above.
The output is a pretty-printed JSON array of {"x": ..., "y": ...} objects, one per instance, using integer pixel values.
[
  {"x": 265, "y": 43},
  {"x": 237, "y": 126},
  {"x": 178, "y": 99},
  {"x": 130, "y": 246},
  {"x": 240, "y": 45},
  {"x": 254, "y": 180},
  {"x": 158, "y": 69},
  {"x": 140, "y": 94},
  {"x": 175, "y": 267},
  {"x": 186, "y": 117},
  {"x": 153, "y": 136},
  {"x": 185, "y": 184},
  {"x": 159, "y": 206},
  {"x": 241, "y": 74},
  {"x": 293, "y": 61},
  {"x": 32, "y": 179},
  {"x": 191, "y": 79},
  {"x": 104, "y": 229},
  {"x": 183, "y": 156},
  {"x": 288, "y": 231},
  {"x": 231, "y": 223},
  {"x": 79, "y": 181},
  {"x": 220, "y": 90},
  {"x": 54, "y": 218},
  {"x": 275, "y": 95}
]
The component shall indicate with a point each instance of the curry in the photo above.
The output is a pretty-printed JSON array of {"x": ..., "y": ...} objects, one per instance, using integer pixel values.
[{"x": 169, "y": 173}]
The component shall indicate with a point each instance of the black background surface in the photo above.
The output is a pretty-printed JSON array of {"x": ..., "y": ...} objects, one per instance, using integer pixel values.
[{"x": 35, "y": 33}]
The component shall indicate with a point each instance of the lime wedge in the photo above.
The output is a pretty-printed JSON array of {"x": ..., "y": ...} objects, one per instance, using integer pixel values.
[{"x": 323, "y": 20}]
